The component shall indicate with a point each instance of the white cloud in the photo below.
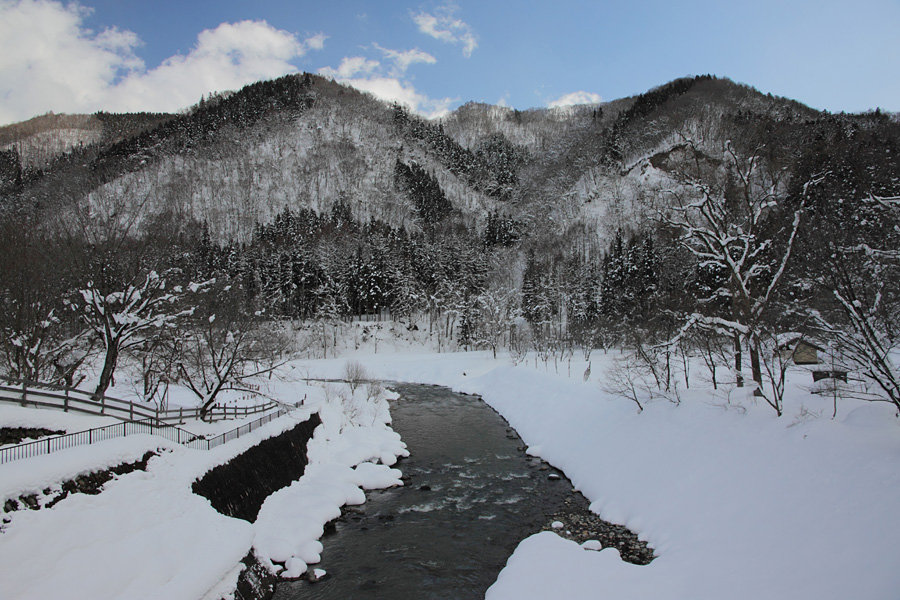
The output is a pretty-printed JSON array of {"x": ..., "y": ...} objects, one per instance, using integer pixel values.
[
  {"x": 579, "y": 97},
  {"x": 402, "y": 59},
  {"x": 389, "y": 84},
  {"x": 227, "y": 57},
  {"x": 366, "y": 75},
  {"x": 49, "y": 61},
  {"x": 444, "y": 27},
  {"x": 391, "y": 89},
  {"x": 351, "y": 67},
  {"x": 316, "y": 42}
]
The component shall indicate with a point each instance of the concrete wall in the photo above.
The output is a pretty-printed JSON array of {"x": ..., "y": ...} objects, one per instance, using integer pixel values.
[{"x": 239, "y": 487}]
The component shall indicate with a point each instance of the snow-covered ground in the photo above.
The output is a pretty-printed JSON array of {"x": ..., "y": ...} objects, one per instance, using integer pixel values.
[
  {"x": 148, "y": 536},
  {"x": 736, "y": 502}
]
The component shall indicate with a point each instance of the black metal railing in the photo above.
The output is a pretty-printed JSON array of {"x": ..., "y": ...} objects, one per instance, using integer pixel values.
[{"x": 145, "y": 426}]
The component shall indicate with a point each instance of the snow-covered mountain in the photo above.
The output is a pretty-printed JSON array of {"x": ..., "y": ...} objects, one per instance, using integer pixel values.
[{"x": 303, "y": 141}]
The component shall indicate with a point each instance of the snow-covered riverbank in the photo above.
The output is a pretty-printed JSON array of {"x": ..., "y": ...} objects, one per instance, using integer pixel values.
[
  {"x": 148, "y": 536},
  {"x": 736, "y": 502}
]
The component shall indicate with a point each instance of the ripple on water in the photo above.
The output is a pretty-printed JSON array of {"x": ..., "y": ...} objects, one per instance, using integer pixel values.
[{"x": 484, "y": 497}]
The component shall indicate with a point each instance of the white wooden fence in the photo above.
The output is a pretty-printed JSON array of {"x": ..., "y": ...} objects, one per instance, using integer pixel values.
[{"x": 44, "y": 395}]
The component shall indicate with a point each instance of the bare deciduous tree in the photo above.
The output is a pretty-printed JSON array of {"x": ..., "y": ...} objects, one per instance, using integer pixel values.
[
  {"x": 862, "y": 282},
  {"x": 730, "y": 212},
  {"x": 354, "y": 374},
  {"x": 627, "y": 377},
  {"x": 123, "y": 318},
  {"x": 37, "y": 341},
  {"x": 226, "y": 347}
]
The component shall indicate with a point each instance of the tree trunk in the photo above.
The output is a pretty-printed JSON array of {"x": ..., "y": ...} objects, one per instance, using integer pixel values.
[
  {"x": 209, "y": 401},
  {"x": 738, "y": 359},
  {"x": 755, "y": 366},
  {"x": 109, "y": 367}
]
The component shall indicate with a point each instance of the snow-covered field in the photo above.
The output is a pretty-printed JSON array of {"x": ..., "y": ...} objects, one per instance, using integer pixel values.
[{"x": 736, "y": 502}]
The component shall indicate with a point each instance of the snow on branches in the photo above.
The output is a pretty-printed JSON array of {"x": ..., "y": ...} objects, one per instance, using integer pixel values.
[
  {"x": 123, "y": 318},
  {"x": 861, "y": 275},
  {"x": 225, "y": 345},
  {"x": 726, "y": 213}
]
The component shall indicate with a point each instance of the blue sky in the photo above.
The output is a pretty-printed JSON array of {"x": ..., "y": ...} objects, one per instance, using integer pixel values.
[{"x": 162, "y": 55}]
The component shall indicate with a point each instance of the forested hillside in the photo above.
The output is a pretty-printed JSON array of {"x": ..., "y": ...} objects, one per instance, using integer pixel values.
[{"x": 701, "y": 217}]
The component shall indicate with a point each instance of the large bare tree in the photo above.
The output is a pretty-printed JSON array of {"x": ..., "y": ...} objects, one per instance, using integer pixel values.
[
  {"x": 859, "y": 290},
  {"x": 124, "y": 318},
  {"x": 730, "y": 212},
  {"x": 226, "y": 346}
]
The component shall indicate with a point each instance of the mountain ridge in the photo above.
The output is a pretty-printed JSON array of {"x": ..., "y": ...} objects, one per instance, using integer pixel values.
[{"x": 305, "y": 141}]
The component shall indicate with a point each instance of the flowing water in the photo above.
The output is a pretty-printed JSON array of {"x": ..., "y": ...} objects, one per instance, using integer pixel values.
[{"x": 470, "y": 496}]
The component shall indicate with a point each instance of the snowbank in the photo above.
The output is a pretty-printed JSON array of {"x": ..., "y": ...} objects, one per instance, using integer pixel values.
[
  {"x": 291, "y": 521},
  {"x": 148, "y": 536},
  {"x": 736, "y": 502}
]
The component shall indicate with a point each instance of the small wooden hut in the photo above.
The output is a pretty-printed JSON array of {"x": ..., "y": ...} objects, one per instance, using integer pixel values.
[{"x": 796, "y": 348}]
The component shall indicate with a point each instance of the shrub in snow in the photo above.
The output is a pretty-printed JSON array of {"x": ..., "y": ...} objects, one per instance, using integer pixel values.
[{"x": 354, "y": 374}]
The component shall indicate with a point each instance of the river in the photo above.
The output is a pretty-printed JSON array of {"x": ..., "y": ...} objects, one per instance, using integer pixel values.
[{"x": 471, "y": 495}]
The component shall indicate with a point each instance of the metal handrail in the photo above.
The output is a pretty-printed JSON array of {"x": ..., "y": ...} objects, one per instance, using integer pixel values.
[{"x": 146, "y": 426}]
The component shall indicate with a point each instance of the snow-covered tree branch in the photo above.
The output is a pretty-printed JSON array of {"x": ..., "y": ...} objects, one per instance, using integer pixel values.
[
  {"x": 226, "y": 346},
  {"x": 730, "y": 214},
  {"x": 859, "y": 283},
  {"x": 122, "y": 318}
]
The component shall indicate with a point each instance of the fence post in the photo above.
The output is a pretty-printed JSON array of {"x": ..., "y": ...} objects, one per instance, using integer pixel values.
[
  {"x": 131, "y": 411},
  {"x": 23, "y": 393},
  {"x": 66, "y": 401},
  {"x": 103, "y": 404}
]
